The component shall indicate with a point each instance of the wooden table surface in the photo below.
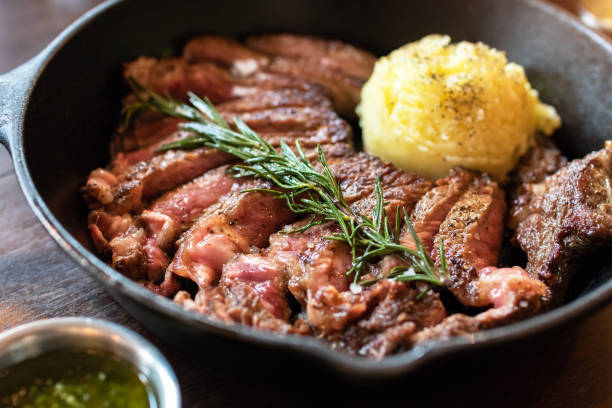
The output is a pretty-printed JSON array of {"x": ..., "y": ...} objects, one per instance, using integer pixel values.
[{"x": 38, "y": 280}]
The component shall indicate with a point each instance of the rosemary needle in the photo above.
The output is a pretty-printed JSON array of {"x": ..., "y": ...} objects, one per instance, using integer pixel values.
[{"x": 305, "y": 189}]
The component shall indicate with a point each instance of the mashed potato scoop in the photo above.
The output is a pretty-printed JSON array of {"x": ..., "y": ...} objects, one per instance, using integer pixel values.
[{"x": 432, "y": 105}]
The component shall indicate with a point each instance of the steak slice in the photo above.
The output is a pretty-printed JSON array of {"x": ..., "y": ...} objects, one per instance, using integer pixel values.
[
  {"x": 224, "y": 51},
  {"x": 431, "y": 210},
  {"x": 277, "y": 98},
  {"x": 122, "y": 161},
  {"x": 357, "y": 176},
  {"x": 567, "y": 214},
  {"x": 339, "y": 68},
  {"x": 260, "y": 275},
  {"x": 394, "y": 311},
  {"x": 472, "y": 234},
  {"x": 244, "y": 306},
  {"x": 233, "y": 226},
  {"x": 138, "y": 246},
  {"x": 513, "y": 294},
  {"x": 310, "y": 260},
  {"x": 175, "y": 77},
  {"x": 331, "y": 54},
  {"x": 148, "y": 129},
  {"x": 125, "y": 186},
  {"x": 541, "y": 161},
  {"x": 343, "y": 90},
  {"x": 151, "y": 127},
  {"x": 317, "y": 267}
]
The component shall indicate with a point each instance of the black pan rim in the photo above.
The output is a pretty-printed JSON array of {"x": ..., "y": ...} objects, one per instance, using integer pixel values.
[{"x": 351, "y": 366}]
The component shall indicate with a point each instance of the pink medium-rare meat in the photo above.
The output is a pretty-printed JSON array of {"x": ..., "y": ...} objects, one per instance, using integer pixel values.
[
  {"x": 146, "y": 180},
  {"x": 232, "y": 227},
  {"x": 148, "y": 210},
  {"x": 471, "y": 234},
  {"x": 513, "y": 294},
  {"x": 261, "y": 275},
  {"x": 122, "y": 161},
  {"x": 173, "y": 212},
  {"x": 148, "y": 237},
  {"x": 311, "y": 260},
  {"x": 317, "y": 266},
  {"x": 243, "y": 306}
]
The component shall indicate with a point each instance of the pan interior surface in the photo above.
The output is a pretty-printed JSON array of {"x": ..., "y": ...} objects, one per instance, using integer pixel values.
[{"x": 73, "y": 107}]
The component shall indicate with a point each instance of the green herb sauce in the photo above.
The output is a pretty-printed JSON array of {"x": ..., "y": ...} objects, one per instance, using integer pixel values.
[{"x": 74, "y": 378}]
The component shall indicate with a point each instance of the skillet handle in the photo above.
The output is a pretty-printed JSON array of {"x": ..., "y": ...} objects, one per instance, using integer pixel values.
[{"x": 14, "y": 87}]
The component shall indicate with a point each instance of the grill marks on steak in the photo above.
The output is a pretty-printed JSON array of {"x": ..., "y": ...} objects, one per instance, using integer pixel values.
[
  {"x": 128, "y": 183},
  {"x": 433, "y": 207},
  {"x": 316, "y": 268},
  {"x": 176, "y": 77},
  {"x": 284, "y": 87},
  {"x": 276, "y": 106},
  {"x": 564, "y": 215},
  {"x": 337, "y": 67},
  {"x": 472, "y": 234}
]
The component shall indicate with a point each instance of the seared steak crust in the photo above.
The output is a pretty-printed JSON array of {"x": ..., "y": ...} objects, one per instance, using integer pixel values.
[
  {"x": 432, "y": 209},
  {"x": 166, "y": 218},
  {"x": 393, "y": 312},
  {"x": 541, "y": 161},
  {"x": 138, "y": 176},
  {"x": 563, "y": 216},
  {"x": 472, "y": 234}
]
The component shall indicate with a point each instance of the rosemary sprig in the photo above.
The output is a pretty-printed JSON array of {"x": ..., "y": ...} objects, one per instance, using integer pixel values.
[{"x": 305, "y": 189}]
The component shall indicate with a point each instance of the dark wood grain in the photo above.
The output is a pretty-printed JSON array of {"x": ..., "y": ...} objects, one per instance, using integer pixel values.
[{"x": 37, "y": 280}]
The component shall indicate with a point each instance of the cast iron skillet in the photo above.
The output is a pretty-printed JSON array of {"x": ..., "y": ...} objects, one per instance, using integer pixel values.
[{"x": 58, "y": 110}]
